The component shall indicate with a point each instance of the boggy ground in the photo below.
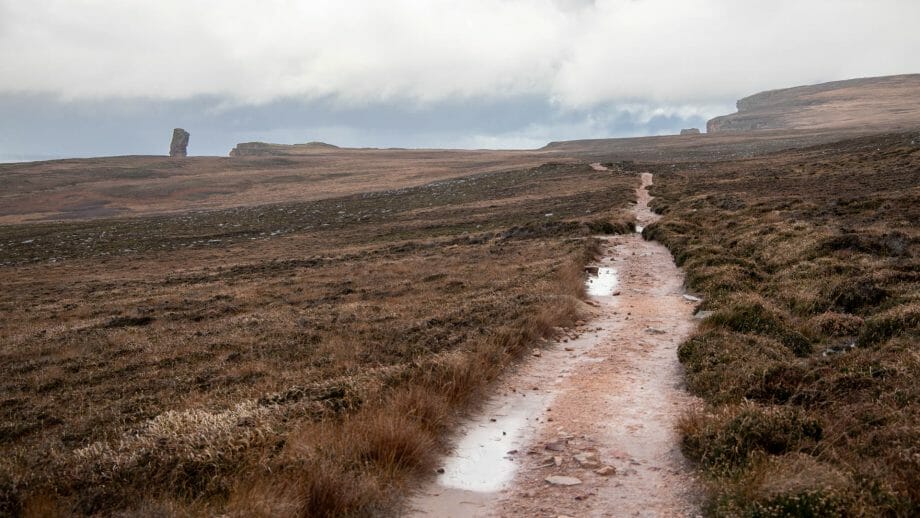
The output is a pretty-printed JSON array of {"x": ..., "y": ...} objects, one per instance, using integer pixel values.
[
  {"x": 302, "y": 358},
  {"x": 809, "y": 262}
]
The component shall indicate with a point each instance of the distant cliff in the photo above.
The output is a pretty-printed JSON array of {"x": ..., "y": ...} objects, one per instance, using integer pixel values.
[
  {"x": 883, "y": 102},
  {"x": 266, "y": 149}
]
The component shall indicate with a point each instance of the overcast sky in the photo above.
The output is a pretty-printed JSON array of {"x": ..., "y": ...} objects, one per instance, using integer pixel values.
[{"x": 106, "y": 77}]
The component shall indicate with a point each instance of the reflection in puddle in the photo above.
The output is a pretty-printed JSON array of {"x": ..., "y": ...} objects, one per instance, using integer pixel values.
[
  {"x": 481, "y": 461},
  {"x": 603, "y": 283}
]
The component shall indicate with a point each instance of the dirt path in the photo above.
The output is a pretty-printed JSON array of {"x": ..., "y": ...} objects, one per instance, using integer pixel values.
[{"x": 597, "y": 410}]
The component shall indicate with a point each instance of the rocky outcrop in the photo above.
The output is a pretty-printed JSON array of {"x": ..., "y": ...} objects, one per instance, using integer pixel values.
[
  {"x": 179, "y": 145},
  {"x": 267, "y": 149},
  {"x": 251, "y": 149},
  {"x": 877, "y": 102},
  {"x": 690, "y": 131}
]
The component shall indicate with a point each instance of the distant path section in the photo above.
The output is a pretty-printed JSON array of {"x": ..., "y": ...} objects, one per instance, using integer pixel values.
[{"x": 587, "y": 426}]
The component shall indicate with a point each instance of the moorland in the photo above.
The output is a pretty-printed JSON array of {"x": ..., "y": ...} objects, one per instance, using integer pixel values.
[
  {"x": 302, "y": 357},
  {"x": 297, "y": 331}
]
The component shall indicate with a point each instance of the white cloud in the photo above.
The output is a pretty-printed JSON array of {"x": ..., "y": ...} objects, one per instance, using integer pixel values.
[{"x": 578, "y": 53}]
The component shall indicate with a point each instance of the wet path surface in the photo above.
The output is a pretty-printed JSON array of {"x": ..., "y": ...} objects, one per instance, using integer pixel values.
[{"x": 587, "y": 428}]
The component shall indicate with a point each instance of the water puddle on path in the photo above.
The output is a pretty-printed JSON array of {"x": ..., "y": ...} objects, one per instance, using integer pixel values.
[
  {"x": 482, "y": 460},
  {"x": 603, "y": 283}
]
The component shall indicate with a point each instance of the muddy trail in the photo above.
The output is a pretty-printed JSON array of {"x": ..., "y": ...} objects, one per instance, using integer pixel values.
[{"x": 586, "y": 426}]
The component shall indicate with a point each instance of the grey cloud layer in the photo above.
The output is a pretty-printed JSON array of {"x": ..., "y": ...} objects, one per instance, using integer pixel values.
[
  {"x": 102, "y": 77},
  {"x": 574, "y": 53}
]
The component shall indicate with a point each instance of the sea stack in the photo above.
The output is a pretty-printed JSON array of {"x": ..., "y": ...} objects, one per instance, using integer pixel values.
[{"x": 179, "y": 144}]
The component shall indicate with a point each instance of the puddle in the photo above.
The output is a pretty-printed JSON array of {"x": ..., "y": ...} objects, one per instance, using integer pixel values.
[
  {"x": 602, "y": 284},
  {"x": 481, "y": 461}
]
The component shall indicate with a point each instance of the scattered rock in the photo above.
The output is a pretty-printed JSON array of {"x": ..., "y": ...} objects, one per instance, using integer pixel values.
[
  {"x": 592, "y": 270},
  {"x": 179, "y": 145},
  {"x": 440, "y": 470},
  {"x": 654, "y": 331},
  {"x": 839, "y": 348},
  {"x": 536, "y": 353},
  {"x": 606, "y": 471},
  {"x": 691, "y": 298},
  {"x": 569, "y": 348},
  {"x": 702, "y": 315},
  {"x": 615, "y": 293},
  {"x": 557, "y": 461},
  {"x": 558, "y": 445},
  {"x": 561, "y": 480},
  {"x": 587, "y": 460}
]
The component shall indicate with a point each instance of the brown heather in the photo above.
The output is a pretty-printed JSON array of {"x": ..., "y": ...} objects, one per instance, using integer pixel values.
[
  {"x": 296, "y": 359},
  {"x": 810, "y": 261}
]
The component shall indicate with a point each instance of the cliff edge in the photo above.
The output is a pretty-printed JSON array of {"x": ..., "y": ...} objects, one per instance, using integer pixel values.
[{"x": 889, "y": 102}]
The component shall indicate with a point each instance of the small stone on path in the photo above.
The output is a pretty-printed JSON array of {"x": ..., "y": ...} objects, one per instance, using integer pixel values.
[
  {"x": 561, "y": 480},
  {"x": 555, "y": 445},
  {"x": 606, "y": 471},
  {"x": 587, "y": 460}
]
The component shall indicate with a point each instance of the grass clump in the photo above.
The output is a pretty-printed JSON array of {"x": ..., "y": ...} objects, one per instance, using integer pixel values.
[
  {"x": 751, "y": 314},
  {"x": 901, "y": 320},
  {"x": 727, "y": 440}
]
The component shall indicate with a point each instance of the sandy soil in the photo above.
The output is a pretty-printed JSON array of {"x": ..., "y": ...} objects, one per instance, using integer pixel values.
[{"x": 599, "y": 406}]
